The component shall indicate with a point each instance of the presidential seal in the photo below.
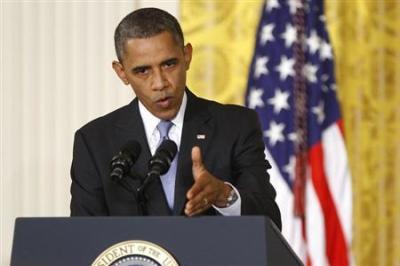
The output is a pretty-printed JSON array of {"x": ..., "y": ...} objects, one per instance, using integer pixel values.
[{"x": 135, "y": 253}]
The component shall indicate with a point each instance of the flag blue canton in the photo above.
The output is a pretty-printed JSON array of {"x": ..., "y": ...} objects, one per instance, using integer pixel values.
[{"x": 271, "y": 79}]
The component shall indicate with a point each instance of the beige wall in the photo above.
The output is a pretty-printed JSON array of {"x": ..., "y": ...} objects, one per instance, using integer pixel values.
[{"x": 55, "y": 76}]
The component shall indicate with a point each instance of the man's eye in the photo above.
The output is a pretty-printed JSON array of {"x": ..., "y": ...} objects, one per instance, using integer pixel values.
[
  {"x": 170, "y": 63},
  {"x": 141, "y": 71}
]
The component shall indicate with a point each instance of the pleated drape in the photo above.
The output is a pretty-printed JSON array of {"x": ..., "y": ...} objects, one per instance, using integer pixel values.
[{"x": 365, "y": 35}]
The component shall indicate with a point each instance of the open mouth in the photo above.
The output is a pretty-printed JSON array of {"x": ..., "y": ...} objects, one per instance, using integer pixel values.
[{"x": 164, "y": 102}]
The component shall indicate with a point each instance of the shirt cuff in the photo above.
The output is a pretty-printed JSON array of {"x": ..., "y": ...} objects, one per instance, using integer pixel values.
[{"x": 235, "y": 208}]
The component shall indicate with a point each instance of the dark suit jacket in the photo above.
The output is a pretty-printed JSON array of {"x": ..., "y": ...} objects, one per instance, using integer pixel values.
[{"x": 233, "y": 150}]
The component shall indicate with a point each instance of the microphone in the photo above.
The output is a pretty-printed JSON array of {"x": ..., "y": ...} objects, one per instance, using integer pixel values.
[
  {"x": 163, "y": 157},
  {"x": 122, "y": 162},
  {"x": 159, "y": 163}
]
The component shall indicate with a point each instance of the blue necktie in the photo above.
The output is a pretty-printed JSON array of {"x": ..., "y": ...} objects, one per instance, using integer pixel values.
[{"x": 168, "y": 180}]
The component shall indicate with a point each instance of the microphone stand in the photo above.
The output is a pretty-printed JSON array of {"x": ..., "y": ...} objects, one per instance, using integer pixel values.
[
  {"x": 140, "y": 191},
  {"x": 158, "y": 165}
]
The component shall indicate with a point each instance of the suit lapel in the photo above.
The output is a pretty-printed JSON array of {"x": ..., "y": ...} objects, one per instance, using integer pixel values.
[
  {"x": 130, "y": 127},
  {"x": 197, "y": 131}
]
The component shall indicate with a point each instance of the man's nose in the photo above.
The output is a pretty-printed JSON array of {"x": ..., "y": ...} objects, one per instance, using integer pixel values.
[{"x": 159, "y": 80}]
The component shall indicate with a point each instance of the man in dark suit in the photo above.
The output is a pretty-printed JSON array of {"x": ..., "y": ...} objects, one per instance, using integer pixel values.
[{"x": 220, "y": 166}]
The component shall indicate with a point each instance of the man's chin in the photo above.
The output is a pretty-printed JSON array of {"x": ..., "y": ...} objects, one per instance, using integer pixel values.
[{"x": 166, "y": 114}]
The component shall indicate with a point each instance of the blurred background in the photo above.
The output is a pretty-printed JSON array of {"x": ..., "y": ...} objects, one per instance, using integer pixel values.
[{"x": 56, "y": 75}]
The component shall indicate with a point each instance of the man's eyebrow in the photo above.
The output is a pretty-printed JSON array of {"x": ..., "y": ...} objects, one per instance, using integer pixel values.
[
  {"x": 144, "y": 67},
  {"x": 170, "y": 60}
]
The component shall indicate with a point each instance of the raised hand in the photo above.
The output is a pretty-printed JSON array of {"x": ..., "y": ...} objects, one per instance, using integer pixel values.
[{"x": 206, "y": 190}]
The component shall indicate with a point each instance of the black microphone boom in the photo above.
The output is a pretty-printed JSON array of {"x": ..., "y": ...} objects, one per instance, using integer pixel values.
[{"x": 124, "y": 160}]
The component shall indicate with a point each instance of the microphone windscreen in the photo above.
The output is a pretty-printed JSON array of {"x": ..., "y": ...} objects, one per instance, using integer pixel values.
[
  {"x": 132, "y": 148},
  {"x": 124, "y": 160},
  {"x": 163, "y": 157},
  {"x": 169, "y": 148}
]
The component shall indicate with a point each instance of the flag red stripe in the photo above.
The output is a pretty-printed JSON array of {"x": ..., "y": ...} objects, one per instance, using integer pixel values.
[
  {"x": 336, "y": 249},
  {"x": 308, "y": 260}
]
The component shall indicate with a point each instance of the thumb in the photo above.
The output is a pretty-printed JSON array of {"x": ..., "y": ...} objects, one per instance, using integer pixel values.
[{"x": 197, "y": 162}]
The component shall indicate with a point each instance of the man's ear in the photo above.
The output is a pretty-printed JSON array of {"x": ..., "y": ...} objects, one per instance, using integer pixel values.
[
  {"x": 187, "y": 50},
  {"x": 119, "y": 69}
]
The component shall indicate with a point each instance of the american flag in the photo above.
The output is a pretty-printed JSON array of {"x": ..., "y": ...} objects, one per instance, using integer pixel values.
[{"x": 293, "y": 52}]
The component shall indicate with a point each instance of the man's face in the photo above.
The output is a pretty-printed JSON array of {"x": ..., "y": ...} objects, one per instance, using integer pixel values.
[{"x": 156, "y": 68}]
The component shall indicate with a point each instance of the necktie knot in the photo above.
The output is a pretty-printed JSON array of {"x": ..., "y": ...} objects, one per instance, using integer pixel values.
[{"x": 163, "y": 127}]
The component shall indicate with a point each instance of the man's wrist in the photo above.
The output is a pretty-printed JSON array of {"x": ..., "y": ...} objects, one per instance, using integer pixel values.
[
  {"x": 228, "y": 197},
  {"x": 232, "y": 198}
]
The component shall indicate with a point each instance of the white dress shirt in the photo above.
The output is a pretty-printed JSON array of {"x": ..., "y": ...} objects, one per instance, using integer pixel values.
[{"x": 153, "y": 138}]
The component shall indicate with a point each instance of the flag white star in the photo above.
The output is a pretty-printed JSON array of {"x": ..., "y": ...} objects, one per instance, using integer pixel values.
[
  {"x": 319, "y": 112},
  {"x": 313, "y": 42},
  {"x": 266, "y": 33},
  {"x": 272, "y": 4},
  {"x": 333, "y": 86},
  {"x": 261, "y": 66},
  {"x": 325, "y": 51},
  {"x": 279, "y": 101},
  {"x": 285, "y": 67},
  {"x": 275, "y": 132},
  {"x": 294, "y": 5},
  {"x": 255, "y": 98},
  {"x": 289, "y": 35},
  {"x": 293, "y": 136},
  {"x": 310, "y": 72},
  {"x": 290, "y": 167}
]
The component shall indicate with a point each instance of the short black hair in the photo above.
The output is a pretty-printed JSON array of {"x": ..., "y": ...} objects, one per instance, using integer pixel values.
[{"x": 145, "y": 23}]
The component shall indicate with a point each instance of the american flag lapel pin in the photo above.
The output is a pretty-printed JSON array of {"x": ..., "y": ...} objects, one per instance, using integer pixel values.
[{"x": 201, "y": 136}]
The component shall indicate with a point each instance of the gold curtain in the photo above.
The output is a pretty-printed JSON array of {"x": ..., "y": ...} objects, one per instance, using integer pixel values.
[
  {"x": 366, "y": 39},
  {"x": 222, "y": 34}
]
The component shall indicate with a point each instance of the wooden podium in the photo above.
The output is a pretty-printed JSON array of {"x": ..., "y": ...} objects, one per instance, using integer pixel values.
[{"x": 200, "y": 241}]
